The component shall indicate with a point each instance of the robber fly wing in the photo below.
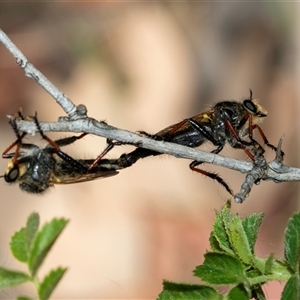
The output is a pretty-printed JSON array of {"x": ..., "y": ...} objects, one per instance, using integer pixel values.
[{"x": 79, "y": 177}]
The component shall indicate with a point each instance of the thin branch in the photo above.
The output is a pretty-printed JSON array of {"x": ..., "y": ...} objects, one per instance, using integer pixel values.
[
  {"x": 258, "y": 173},
  {"x": 89, "y": 125},
  {"x": 31, "y": 72}
]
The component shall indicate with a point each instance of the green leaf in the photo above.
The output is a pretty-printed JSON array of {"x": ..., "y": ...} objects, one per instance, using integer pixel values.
[
  {"x": 238, "y": 293},
  {"x": 178, "y": 291},
  {"x": 32, "y": 227},
  {"x": 50, "y": 282},
  {"x": 292, "y": 242},
  {"x": 43, "y": 243},
  {"x": 10, "y": 278},
  {"x": 259, "y": 264},
  {"x": 291, "y": 289},
  {"x": 219, "y": 233},
  {"x": 239, "y": 240},
  {"x": 21, "y": 241},
  {"x": 18, "y": 247},
  {"x": 219, "y": 268},
  {"x": 214, "y": 244},
  {"x": 24, "y": 298},
  {"x": 281, "y": 269},
  {"x": 269, "y": 264},
  {"x": 251, "y": 226}
]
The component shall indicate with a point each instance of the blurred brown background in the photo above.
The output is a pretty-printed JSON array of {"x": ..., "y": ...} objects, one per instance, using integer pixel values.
[{"x": 144, "y": 66}]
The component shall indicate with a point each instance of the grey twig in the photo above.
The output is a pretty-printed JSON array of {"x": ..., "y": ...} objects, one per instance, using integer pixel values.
[
  {"x": 258, "y": 173},
  {"x": 31, "y": 72},
  {"x": 89, "y": 125}
]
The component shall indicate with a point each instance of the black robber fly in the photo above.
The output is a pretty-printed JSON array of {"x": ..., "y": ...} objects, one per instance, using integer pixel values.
[
  {"x": 36, "y": 169},
  {"x": 229, "y": 122}
]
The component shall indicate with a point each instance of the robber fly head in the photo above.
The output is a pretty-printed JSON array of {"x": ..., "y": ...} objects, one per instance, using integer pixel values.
[
  {"x": 238, "y": 113},
  {"x": 32, "y": 170}
]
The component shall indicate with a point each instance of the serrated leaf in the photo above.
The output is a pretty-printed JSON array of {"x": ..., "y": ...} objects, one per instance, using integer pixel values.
[
  {"x": 292, "y": 242},
  {"x": 291, "y": 289},
  {"x": 238, "y": 240},
  {"x": 238, "y": 293},
  {"x": 251, "y": 226},
  {"x": 50, "y": 282},
  {"x": 269, "y": 264},
  {"x": 278, "y": 271},
  {"x": 281, "y": 269},
  {"x": 21, "y": 241},
  {"x": 178, "y": 291},
  {"x": 259, "y": 264},
  {"x": 18, "y": 245},
  {"x": 10, "y": 278},
  {"x": 32, "y": 227},
  {"x": 221, "y": 268},
  {"x": 219, "y": 233},
  {"x": 214, "y": 244},
  {"x": 43, "y": 243}
]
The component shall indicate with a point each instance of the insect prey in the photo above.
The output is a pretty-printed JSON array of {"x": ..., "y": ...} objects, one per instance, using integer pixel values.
[{"x": 36, "y": 169}]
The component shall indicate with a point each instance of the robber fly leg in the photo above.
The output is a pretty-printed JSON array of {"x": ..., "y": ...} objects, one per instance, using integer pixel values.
[
  {"x": 265, "y": 139},
  {"x": 146, "y": 134},
  {"x": 17, "y": 143},
  {"x": 110, "y": 145},
  {"x": 238, "y": 142},
  {"x": 213, "y": 176},
  {"x": 67, "y": 141},
  {"x": 203, "y": 131},
  {"x": 63, "y": 142},
  {"x": 125, "y": 160},
  {"x": 57, "y": 143}
]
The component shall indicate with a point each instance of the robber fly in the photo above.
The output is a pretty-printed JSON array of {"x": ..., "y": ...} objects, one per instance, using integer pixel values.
[
  {"x": 229, "y": 122},
  {"x": 36, "y": 169}
]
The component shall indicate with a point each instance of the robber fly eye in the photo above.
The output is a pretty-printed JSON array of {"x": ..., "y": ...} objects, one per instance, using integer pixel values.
[
  {"x": 250, "y": 106},
  {"x": 228, "y": 113},
  {"x": 12, "y": 174}
]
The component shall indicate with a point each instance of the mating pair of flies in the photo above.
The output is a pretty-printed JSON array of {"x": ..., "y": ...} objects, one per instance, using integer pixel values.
[{"x": 36, "y": 169}]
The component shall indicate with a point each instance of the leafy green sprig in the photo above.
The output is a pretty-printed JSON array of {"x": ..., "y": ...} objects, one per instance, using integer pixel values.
[
  {"x": 30, "y": 245},
  {"x": 232, "y": 262}
]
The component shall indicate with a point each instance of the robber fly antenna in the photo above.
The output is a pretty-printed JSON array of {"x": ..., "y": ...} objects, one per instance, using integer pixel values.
[{"x": 251, "y": 94}]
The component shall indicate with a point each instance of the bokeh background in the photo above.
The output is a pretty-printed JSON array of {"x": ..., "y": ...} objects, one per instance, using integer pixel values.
[{"x": 144, "y": 66}]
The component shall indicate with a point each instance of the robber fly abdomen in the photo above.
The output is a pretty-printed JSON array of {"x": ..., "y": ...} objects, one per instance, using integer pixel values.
[{"x": 190, "y": 138}]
